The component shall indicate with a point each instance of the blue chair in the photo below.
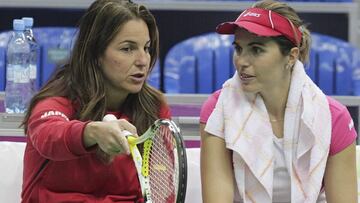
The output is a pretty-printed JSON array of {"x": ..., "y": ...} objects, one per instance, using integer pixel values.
[
  {"x": 214, "y": 56},
  {"x": 310, "y": 67},
  {"x": 155, "y": 76},
  {"x": 205, "y": 71},
  {"x": 188, "y": 75},
  {"x": 179, "y": 69},
  {"x": 55, "y": 47},
  {"x": 4, "y": 39},
  {"x": 356, "y": 72},
  {"x": 2, "y": 69},
  {"x": 335, "y": 64},
  {"x": 344, "y": 69},
  {"x": 327, "y": 53},
  {"x": 224, "y": 67},
  {"x": 198, "y": 65}
]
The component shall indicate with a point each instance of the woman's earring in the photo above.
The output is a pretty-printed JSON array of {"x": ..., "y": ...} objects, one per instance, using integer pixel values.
[{"x": 288, "y": 66}]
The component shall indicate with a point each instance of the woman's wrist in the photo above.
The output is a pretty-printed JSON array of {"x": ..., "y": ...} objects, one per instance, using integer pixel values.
[{"x": 88, "y": 136}]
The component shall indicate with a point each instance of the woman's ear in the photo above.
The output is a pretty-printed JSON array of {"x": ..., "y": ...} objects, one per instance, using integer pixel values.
[{"x": 294, "y": 55}]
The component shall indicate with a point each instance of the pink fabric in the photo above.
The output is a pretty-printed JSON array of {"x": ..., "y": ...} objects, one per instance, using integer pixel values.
[{"x": 343, "y": 132}]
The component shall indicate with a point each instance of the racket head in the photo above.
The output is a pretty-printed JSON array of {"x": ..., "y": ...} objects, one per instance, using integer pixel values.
[{"x": 164, "y": 162}]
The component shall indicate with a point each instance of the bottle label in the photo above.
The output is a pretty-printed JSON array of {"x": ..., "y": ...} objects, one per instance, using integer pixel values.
[
  {"x": 32, "y": 71},
  {"x": 10, "y": 72},
  {"x": 58, "y": 55},
  {"x": 21, "y": 74}
]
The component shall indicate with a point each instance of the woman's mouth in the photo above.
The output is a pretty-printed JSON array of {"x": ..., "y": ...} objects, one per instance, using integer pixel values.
[
  {"x": 246, "y": 77},
  {"x": 138, "y": 77}
]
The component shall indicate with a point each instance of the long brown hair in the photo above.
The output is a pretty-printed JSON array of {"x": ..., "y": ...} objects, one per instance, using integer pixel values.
[{"x": 82, "y": 80}]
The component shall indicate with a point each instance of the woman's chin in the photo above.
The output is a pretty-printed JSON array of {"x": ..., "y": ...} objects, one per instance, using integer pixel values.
[
  {"x": 135, "y": 89},
  {"x": 249, "y": 89}
]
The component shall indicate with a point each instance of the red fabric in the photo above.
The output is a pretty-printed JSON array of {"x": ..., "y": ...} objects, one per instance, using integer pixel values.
[
  {"x": 262, "y": 22},
  {"x": 73, "y": 174},
  {"x": 343, "y": 132}
]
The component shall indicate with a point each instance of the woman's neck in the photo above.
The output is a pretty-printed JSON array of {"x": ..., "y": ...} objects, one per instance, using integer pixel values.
[
  {"x": 275, "y": 101},
  {"x": 114, "y": 100}
]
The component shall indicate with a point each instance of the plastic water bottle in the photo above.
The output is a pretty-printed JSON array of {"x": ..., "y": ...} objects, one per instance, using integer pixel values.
[
  {"x": 33, "y": 60},
  {"x": 18, "y": 87}
]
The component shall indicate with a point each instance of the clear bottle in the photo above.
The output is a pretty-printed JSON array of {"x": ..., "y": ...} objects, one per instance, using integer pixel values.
[
  {"x": 18, "y": 87},
  {"x": 34, "y": 48}
]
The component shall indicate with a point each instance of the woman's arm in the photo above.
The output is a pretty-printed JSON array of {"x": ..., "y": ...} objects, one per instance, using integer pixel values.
[
  {"x": 340, "y": 176},
  {"x": 217, "y": 177}
]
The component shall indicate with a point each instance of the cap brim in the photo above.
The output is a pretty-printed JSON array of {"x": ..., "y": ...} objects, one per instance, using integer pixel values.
[{"x": 230, "y": 27}]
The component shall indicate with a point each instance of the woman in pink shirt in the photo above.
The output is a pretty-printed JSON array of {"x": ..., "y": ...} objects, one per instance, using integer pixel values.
[
  {"x": 71, "y": 155},
  {"x": 270, "y": 134}
]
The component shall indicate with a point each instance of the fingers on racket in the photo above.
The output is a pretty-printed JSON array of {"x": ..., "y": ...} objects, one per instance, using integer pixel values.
[{"x": 125, "y": 133}]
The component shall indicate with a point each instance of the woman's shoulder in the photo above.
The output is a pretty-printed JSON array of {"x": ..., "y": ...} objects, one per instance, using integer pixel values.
[
  {"x": 343, "y": 131},
  {"x": 208, "y": 106},
  {"x": 55, "y": 104},
  {"x": 164, "y": 112},
  {"x": 212, "y": 99},
  {"x": 340, "y": 116},
  {"x": 55, "y": 100},
  {"x": 335, "y": 106}
]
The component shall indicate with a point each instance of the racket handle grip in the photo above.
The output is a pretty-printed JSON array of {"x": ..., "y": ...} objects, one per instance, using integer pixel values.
[
  {"x": 127, "y": 133},
  {"x": 130, "y": 138}
]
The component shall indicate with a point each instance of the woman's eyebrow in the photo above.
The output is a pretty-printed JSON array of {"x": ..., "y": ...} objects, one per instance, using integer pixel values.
[
  {"x": 132, "y": 42},
  {"x": 256, "y": 43},
  {"x": 126, "y": 41},
  {"x": 251, "y": 43}
]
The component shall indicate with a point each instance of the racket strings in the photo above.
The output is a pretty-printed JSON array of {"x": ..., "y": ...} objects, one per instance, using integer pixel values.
[{"x": 163, "y": 173}]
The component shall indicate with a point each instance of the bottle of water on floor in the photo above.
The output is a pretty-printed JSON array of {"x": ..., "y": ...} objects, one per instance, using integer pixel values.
[
  {"x": 18, "y": 87},
  {"x": 33, "y": 60}
]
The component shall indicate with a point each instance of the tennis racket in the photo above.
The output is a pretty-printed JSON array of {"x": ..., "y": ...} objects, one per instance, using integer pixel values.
[{"x": 162, "y": 167}]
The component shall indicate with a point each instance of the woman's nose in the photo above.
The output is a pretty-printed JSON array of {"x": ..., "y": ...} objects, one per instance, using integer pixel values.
[
  {"x": 241, "y": 60},
  {"x": 142, "y": 58}
]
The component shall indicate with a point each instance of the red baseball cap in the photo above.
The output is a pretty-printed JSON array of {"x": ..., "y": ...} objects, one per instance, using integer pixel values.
[{"x": 263, "y": 22}]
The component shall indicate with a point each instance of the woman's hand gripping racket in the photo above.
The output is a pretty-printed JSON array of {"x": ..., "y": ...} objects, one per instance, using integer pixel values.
[{"x": 162, "y": 168}]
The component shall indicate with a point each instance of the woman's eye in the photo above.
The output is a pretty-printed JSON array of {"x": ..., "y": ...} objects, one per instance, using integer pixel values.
[
  {"x": 238, "y": 49},
  {"x": 256, "y": 50},
  {"x": 126, "y": 49},
  {"x": 147, "y": 49}
]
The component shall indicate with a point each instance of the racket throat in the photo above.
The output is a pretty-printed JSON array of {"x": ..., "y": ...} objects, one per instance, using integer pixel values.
[{"x": 146, "y": 192}]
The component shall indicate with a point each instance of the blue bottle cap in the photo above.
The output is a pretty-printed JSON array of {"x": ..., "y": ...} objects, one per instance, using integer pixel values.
[
  {"x": 18, "y": 25},
  {"x": 28, "y": 21}
]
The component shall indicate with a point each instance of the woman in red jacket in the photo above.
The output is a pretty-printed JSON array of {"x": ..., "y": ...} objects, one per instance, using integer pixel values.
[{"x": 71, "y": 155}]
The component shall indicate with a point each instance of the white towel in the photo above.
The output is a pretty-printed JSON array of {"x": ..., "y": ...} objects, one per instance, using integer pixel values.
[{"x": 242, "y": 120}]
